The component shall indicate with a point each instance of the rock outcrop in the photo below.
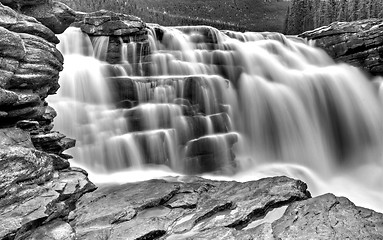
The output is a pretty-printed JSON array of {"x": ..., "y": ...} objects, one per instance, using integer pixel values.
[
  {"x": 37, "y": 186},
  {"x": 180, "y": 208},
  {"x": 54, "y": 15},
  {"x": 119, "y": 29},
  {"x": 196, "y": 208},
  {"x": 358, "y": 43}
]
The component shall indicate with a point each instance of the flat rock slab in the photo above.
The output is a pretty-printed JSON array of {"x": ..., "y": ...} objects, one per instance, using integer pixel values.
[{"x": 179, "y": 207}]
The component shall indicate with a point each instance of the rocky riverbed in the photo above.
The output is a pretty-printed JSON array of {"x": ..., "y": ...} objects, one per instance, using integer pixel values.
[{"x": 42, "y": 197}]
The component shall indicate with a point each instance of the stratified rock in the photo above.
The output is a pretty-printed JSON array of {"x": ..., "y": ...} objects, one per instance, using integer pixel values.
[
  {"x": 54, "y": 15},
  {"x": 20, "y": 23},
  {"x": 29, "y": 67},
  {"x": 179, "y": 207},
  {"x": 328, "y": 217},
  {"x": 34, "y": 202},
  {"x": 119, "y": 29},
  {"x": 358, "y": 43},
  {"x": 107, "y": 23}
]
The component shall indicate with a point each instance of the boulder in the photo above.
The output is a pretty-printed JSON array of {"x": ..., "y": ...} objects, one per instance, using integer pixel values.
[
  {"x": 54, "y": 15},
  {"x": 328, "y": 217},
  {"x": 359, "y": 43}
]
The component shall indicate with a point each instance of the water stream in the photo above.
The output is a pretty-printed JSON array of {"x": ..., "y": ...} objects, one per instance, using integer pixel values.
[{"x": 224, "y": 105}]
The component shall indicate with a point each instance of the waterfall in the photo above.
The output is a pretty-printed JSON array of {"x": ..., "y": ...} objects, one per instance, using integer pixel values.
[{"x": 223, "y": 104}]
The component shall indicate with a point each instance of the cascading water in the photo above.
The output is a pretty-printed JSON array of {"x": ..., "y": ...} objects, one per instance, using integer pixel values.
[{"x": 239, "y": 105}]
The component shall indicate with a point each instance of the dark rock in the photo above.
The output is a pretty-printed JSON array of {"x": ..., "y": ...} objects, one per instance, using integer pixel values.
[
  {"x": 210, "y": 153},
  {"x": 54, "y": 15},
  {"x": 358, "y": 43},
  {"x": 21, "y": 3},
  {"x": 179, "y": 207}
]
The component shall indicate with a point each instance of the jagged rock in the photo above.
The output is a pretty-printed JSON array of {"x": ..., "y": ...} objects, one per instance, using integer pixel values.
[
  {"x": 54, "y": 15},
  {"x": 328, "y": 217},
  {"x": 179, "y": 207},
  {"x": 39, "y": 203},
  {"x": 358, "y": 43}
]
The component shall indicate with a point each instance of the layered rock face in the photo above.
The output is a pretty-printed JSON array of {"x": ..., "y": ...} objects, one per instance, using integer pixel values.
[
  {"x": 37, "y": 184},
  {"x": 358, "y": 43},
  {"x": 118, "y": 29},
  {"x": 55, "y": 15}
]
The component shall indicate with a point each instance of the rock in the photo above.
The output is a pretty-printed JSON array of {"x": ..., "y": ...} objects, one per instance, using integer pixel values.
[
  {"x": 20, "y": 23},
  {"x": 120, "y": 29},
  {"x": 328, "y": 217},
  {"x": 29, "y": 67},
  {"x": 358, "y": 43},
  {"x": 21, "y": 3},
  {"x": 55, "y": 230},
  {"x": 107, "y": 23},
  {"x": 35, "y": 203},
  {"x": 54, "y": 15},
  {"x": 15, "y": 137},
  {"x": 179, "y": 207},
  {"x": 210, "y": 153}
]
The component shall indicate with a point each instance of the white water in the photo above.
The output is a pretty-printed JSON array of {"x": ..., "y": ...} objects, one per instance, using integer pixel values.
[{"x": 293, "y": 110}]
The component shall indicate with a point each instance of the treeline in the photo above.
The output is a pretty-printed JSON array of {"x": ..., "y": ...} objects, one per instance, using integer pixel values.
[{"x": 303, "y": 15}]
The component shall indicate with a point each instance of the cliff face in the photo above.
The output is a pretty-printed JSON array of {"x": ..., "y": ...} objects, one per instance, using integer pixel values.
[
  {"x": 358, "y": 43},
  {"x": 37, "y": 186}
]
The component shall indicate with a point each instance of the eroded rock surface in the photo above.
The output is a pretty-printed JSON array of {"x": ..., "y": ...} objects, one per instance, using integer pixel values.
[
  {"x": 358, "y": 43},
  {"x": 180, "y": 207},
  {"x": 54, "y": 15},
  {"x": 38, "y": 188}
]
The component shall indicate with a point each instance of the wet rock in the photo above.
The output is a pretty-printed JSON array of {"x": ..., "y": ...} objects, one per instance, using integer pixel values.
[
  {"x": 358, "y": 43},
  {"x": 180, "y": 207},
  {"x": 210, "y": 153},
  {"x": 120, "y": 29}
]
